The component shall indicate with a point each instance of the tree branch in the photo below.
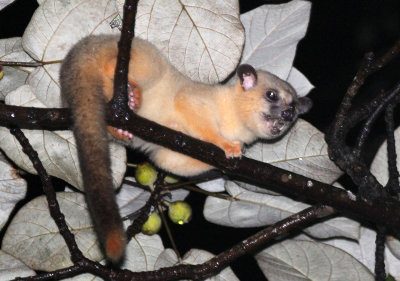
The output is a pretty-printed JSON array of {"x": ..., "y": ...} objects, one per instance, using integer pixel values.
[
  {"x": 200, "y": 271},
  {"x": 380, "y": 272},
  {"x": 119, "y": 102},
  {"x": 393, "y": 182},
  {"x": 349, "y": 159},
  {"x": 249, "y": 170}
]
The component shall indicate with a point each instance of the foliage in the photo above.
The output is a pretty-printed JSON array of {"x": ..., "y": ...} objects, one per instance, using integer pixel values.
[{"x": 205, "y": 41}]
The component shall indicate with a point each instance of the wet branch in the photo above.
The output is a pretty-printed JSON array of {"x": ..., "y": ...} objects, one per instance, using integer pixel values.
[
  {"x": 48, "y": 189},
  {"x": 347, "y": 158},
  {"x": 200, "y": 271},
  {"x": 119, "y": 102},
  {"x": 249, "y": 170},
  {"x": 350, "y": 160},
  {"x": 393, "y": 182}
]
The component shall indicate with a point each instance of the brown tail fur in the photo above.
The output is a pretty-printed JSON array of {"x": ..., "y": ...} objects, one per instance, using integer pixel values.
[{"x": 82, "y": 87}]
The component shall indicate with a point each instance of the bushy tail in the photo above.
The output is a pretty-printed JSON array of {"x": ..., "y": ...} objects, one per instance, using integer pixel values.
[{"x": 81, "y": 88}]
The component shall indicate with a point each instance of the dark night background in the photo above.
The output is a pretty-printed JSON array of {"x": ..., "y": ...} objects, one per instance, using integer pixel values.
[{"x": 339, "y": 34}]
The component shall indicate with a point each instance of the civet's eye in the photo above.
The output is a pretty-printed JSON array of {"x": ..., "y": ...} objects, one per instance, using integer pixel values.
[{"x": 272, "y": 95}]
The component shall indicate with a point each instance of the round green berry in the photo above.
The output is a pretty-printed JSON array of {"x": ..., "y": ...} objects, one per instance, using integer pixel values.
[
  {"x": 180, "y": 212},
  {"x": 152, "y": 225},
  {"x": 146, "y": 174}
]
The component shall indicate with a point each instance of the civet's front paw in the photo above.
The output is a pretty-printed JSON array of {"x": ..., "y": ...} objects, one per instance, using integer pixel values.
[{"x": 232, "y": 149}]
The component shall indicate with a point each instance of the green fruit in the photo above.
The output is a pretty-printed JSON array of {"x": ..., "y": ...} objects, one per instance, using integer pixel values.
[
  {"x": 170, "y": 179},
  {"x": 146, "y": 174},
  {"x": 180, "y": 212},
  {"x": 152, "y": 225}
]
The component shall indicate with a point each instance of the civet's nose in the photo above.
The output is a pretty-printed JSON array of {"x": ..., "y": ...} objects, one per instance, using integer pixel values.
[{"x": 288, "y": 114}]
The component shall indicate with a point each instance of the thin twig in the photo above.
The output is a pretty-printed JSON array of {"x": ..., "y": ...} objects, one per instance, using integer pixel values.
[
  {"x": 83, "y": 266},
  {"x": 346, "y": 158},
  {"x": 380, "y": 273},
  {"x": 376, "y": 108},
  {"x": 54, "y": 207},
  {"x": 28, "y": 63},
  {"x": 169, "y": 232},
  {"x": 177, "y": 185},
  {"x": 393, "y": 182},
  {"x": 119, "y": 102},
  {"x": 368, "y": 66},
  {"x": 366, "y": 110},
  {"x": 136, "y": 184},
  {"x": 209, "y": 193},
  {"x": 358, "y": 81},
  {"x": 143, "y": 213}
]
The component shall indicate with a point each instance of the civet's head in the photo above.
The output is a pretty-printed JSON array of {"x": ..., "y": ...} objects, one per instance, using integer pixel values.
[{"x": 267, "y": 104}]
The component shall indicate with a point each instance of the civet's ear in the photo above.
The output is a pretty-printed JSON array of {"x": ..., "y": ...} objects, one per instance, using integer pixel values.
[
  {"x": 247, "y": 76},
  {"x": 304, "y": 105}
]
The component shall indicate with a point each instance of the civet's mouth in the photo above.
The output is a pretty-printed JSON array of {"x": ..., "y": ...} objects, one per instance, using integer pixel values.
[{"x": 276, "y": 124}]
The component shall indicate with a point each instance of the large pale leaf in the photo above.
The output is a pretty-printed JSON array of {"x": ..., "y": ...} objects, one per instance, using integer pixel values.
[
  {"x": 11, "y": 50},
  {"x": 272, "y": 34},
  {"x": 5, "y": 3},
  {"x": 299, "y": 82},
  {"x": 351, "y": 247},
  {"x": 167, "y": 258},
  {"x": 131, "y": 198},
  {"x": 250, "y": 209},
  {"x": 367, "y": 246},
  {"x": 202, "y": 39},
  {"x": 12, "y": 189},
  {"x": 394, "y": 246},
  {"x": 302, "y": 150},
  {"x": 217, "y": 185},
  {"x": 56, "y": 25},
  {"x": 56, "y": 149},
  {"x": 44, "y": 84},
  {"x": 392, "y": 256},
  {"x": 54, "y": 28},
  {"x": 33, "y": 237},
  {"x": 305, "y": 260},
  {"x": 13, "y": 78},
  {"x": 11, "y": 268},
  {"x": 363, "y": 250},
  {"x": 379, "y": 166},
  {"x": 142, "y": 252},
  {"x": 335, "y": 227}
]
